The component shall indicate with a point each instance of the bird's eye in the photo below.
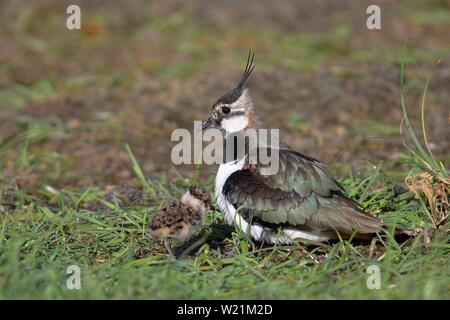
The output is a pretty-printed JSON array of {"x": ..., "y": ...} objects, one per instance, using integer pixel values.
[{"x": 226, "y": 110}]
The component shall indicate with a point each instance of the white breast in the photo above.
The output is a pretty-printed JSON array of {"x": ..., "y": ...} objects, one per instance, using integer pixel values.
[
  {"x": 232, "y": 217},
  {"x": 225, "y": 170}
]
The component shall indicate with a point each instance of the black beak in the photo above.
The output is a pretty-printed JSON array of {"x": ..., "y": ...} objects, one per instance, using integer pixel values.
[{"x": 208, "y": 123}]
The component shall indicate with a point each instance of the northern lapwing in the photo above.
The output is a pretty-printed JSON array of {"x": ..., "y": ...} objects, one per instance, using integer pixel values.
[{"x": 302, "y": 200}]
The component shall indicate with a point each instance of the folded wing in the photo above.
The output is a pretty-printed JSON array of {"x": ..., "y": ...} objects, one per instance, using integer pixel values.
[{"x": 302, "y": 194}]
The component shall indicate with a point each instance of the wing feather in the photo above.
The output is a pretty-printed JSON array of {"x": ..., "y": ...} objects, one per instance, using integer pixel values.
[{"x": 301, "y": 193}]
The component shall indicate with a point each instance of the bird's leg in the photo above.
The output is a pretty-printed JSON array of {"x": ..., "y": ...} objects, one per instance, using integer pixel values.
[
  {"x": 252, "y": 244},
  {"x": 168, "y": 247},
  {"x": 195, "y": 245}
]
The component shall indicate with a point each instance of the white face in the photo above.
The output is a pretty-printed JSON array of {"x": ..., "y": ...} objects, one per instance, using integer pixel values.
[
  {"x": 237, "y": 120},
  {"x": 234, "y": 124}
]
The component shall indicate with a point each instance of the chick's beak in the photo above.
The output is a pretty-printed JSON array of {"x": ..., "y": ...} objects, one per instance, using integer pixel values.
[{"x": 210, "y": 123}]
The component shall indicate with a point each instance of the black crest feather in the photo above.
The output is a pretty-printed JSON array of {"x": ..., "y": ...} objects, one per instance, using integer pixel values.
[
  {"x": 234, "y": 94},
  {"x": 248, "y": 69}
]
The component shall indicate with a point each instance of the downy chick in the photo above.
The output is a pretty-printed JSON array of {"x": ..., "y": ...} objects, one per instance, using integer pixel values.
[{"x": 181, "y": 218}]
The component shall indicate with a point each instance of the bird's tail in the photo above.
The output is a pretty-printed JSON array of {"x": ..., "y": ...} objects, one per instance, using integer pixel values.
[{"x": 348, "y": 217}]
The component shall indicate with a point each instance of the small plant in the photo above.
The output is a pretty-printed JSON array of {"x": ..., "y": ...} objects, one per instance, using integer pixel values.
[
  {"x": 428, "y": 178},
  {"x": 139, "y": 173}
]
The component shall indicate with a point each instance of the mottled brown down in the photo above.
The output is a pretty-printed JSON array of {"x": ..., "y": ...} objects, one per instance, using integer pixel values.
[{"x": 181, "y": 219}]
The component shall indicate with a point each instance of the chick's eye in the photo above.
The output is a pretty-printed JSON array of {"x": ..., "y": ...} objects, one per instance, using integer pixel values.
[{"x": 225, "y": 110}]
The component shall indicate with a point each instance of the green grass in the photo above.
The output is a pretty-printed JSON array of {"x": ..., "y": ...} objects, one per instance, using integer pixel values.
[{"x": 108, "y": 240}]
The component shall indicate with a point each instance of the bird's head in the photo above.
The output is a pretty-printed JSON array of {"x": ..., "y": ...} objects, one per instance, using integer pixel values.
[
  {"x": 197, "y": 198},
  {"x": 234, "y": 111}
]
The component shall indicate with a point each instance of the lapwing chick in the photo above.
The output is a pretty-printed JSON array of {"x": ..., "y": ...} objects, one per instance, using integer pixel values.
[{"x": 181, "y": 218}]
